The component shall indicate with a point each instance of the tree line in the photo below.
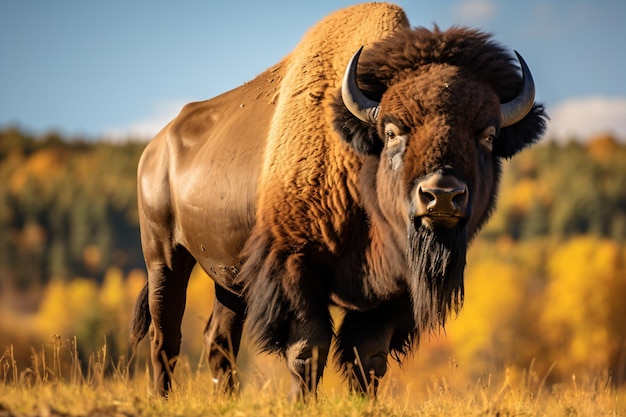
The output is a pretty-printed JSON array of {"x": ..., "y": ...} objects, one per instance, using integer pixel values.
[
  {"x": 565, "y": 191},
  {"x": 67, "y": 208}
]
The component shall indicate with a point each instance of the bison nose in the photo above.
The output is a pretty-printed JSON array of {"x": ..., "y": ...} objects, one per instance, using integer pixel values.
[{"x": 442, "y": 200}]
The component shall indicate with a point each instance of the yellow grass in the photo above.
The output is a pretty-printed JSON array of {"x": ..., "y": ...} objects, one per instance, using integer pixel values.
[{"x": 57, "y": 384}]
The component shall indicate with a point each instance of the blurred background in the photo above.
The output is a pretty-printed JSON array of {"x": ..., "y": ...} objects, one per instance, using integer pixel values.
[{"x": 83, "y": 87}]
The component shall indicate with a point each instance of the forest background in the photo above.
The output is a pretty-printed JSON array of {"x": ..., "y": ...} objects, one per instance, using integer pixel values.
[{"x": 545, "y": 280}]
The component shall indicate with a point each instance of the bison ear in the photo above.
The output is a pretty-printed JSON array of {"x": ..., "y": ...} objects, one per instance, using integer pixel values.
[
  {"x": 363, "y": 137},
  {"x": 522, "y": 134}
]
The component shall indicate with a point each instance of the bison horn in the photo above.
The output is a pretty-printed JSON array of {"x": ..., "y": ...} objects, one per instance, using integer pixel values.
[
  {"x": 516, "y": 109},
  {"x": 353, "y": 98},
  {"x": 367, "y": 110}
]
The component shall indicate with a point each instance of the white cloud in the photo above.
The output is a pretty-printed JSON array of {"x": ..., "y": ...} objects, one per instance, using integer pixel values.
[
  {"x": 148, "y": 127},
  {"x": 581, "y": 118},
  {"x": 475, "y": 12}
]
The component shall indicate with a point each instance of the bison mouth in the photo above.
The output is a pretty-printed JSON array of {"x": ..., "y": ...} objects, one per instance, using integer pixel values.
[
  {"x": 436, "y": 259},
  {"x": 439, "y": 221}
]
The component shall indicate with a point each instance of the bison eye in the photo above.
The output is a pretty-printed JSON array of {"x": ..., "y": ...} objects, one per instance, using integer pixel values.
[
  {"x": 487, "y": 142},
  {"x": 488, "y": 136},
  {"x": 395, "y": 145}
]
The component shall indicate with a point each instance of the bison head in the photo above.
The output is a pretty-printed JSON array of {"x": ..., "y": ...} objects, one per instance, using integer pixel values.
[{"x": 436, "y": 112}]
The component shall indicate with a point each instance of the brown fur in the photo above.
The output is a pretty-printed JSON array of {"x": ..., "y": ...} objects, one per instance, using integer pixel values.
[{"x": 291, "y": 204}]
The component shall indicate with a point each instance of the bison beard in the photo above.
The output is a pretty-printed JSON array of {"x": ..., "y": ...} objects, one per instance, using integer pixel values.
[{"x": 436, "y": 261}]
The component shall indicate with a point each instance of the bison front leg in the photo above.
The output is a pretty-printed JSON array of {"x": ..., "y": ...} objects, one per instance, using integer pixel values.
[
  {"x": 222, "y": 337},
  {"x": 363, "y": 346},
  {"x": 366, "y": 338},
  {"x": 307, "y": 350},
  {"x": 167, "y": 294},
  {"x": 288, "y": 314}
]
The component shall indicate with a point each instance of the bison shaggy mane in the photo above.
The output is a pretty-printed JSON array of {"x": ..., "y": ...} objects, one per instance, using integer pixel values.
[{"x": 411, "y": 51}]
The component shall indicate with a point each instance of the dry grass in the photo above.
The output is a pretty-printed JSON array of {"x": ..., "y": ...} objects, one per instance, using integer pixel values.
[{"x": 58, "y": 384}]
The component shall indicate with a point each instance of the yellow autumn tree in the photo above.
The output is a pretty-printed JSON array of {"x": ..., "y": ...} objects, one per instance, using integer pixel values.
[
  {"x": 497, "y": 327},
  {"x": 489, "y": 332},
  {"x": 94, "y": 314},
  {"x": 582, "y": 323},
  {"x": 65, "y": 305},
  {"x": 114, "y": 310},
  {"x": 602, "y": 147}
]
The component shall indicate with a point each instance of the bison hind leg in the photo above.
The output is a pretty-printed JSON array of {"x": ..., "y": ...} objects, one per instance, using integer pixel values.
[
  {"x": 222, "y": 338},
  {"x": 167, "y": 288}
]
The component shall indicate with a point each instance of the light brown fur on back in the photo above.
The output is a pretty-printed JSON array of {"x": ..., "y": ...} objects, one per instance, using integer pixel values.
[{"x": 292, "y": 190}]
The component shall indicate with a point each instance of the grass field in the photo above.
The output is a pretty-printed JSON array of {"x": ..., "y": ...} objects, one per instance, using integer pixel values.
[{"x": 55, "y": 386}]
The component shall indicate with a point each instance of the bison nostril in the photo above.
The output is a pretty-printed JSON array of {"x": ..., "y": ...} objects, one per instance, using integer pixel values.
[
  {"x": 427, "y": 198},
  {"x": 459, "y": 199}
]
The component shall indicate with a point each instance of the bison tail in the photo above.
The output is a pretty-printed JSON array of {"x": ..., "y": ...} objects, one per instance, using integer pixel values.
[{"x": 141, "y": 321}]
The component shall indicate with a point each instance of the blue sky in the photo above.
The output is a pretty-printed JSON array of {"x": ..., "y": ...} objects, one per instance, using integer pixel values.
[{"x": 116, "y": 68}]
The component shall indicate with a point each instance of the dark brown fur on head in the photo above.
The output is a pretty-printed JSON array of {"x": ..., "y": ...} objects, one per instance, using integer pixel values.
[{"x": 409, "y": 52}]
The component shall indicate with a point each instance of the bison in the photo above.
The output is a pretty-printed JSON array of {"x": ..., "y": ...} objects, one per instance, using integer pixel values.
[{"x": 334, "y": 178}]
